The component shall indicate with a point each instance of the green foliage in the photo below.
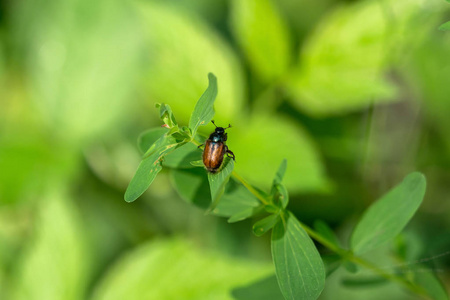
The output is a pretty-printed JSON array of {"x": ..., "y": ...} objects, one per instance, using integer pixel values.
[
  {"x": 299, "y": 268},
  {"x": 445, "y": 26},
  {"x": 387, "y": 217},
  {"x": 204, "y": 110},
  {"x": 176, "y": 269},
  {"x": 263, "y": 36}
]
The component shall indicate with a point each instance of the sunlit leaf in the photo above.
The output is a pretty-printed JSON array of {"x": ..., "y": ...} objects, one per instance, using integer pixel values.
[
  {"x": 177, "y": 270},
  {"x": 261, "y": 140},
  {"x": 299, "y": 268},
  {"x": 81, "y": 81},
  {"x": 263, "y": 36},
  {"x": 204, "y": 109},
  {"x": 387, "y": 217},
  {"x": 150, "y": 166},
  {"x": 56, "y": 252},
  {"x": 343, "y": 62},
  {"x": 264, "y": 225},
  {"x": 189, "y": 48}
]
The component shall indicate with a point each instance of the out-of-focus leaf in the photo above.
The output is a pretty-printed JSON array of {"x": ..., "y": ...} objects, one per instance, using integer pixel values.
[
  {"x": 325, "y": 231},
  {"x": 177, "y": 270},
  {"x": 236, "y": 200},
  {"x": 192, "y": 185},
  {"x": 445, "y": 26},
  {"x": 362, "y": 282},
  {"x": 260, "y": 142},
  {"x": 147, "y": 138},
  {"x": 189, "y": 49},
  {"x": 266, "y": 288},
  {"x": 81, "y": 62},
  {"x": 245, "y": 214},
  {"x": 299, "y": 268},
  {"x": 55, "y": 264},
  {"x": 263, "y": 35},
  {"x": 218, "y": 181},
  {"x": 264, "y": 225},
  {"x": 150, "y": 166},
  {"x": 387, "y": 217},
  {"x": 426, "y": 278},
  {"x": 344, "y": 61},
  {"x": 204, "y": 109}
]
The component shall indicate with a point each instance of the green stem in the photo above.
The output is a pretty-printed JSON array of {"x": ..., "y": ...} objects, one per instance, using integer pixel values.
[
  {"x": 346, "y": 254},
  {"x": 251, "y": 189}
]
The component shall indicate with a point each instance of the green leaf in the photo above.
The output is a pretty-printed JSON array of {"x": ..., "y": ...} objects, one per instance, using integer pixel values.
[
  {"x": 325, "y": 231},
  {"x": 264, "y": 225},
  {"x": 281, "y": 195},
  {"x": 299, "y": 268},
  {"x": 150, "y": 166},
  {"x": 266, "y": 288},
  {"x": 177, "y": 269},
  {"x": 188, "y": 44},
  {"x": 426, "y": 278},
  {"x": 345, "y": 36},
  {"x": 263, "y": 35},
  {"x": 192, "y": 185},
  {"x": 56, "y": 251},
  {"x": 280, "y": 173},
  {"x": 387, "y": 217},
  {"x": 262, "y": 139},
  {"x": 445, "y": 26},
  {"x": 148, "y": 137},
  {"x": 245, "y": 214},
  {"x": 96, "y": 84},
  {"x": 183, "y": 156},
  {"x": 218, "y": 181},
  {"x": 166, "y": 114},
  {"x": 197, "y": 163},
  {"x": 364, "y": 282},
  {"x": 237, "y": 202},
  {"x": 204, "y": 109}
]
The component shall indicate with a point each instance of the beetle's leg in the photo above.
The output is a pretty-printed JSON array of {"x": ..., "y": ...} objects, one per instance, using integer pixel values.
[
  {"x": 231, "y": 154},
  {"x": 200, "y": 145}
]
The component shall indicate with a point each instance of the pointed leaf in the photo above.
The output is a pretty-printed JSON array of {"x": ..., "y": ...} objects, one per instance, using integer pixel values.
[
  {"x": 217, "y": 181},
  {"x": 166, "y": 114},
  {"x": 204, "y": 109},
  {"x": 264, "y": 225},
  {"x": 235, "y": 201},
  {"x": 299, "y": 268},
  {"x": 387, "y": 217},
  {"x": 148, "y": 137},
  {"x": 150, "y": 166}
]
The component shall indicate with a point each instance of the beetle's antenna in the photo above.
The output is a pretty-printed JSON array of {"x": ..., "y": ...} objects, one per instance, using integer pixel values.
[
  {"x": 229, "y": 126},
  {"x": 212, "y": 121}
]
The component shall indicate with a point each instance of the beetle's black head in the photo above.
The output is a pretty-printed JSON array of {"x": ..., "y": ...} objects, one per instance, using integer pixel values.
[{"x": 219, "y": 130}]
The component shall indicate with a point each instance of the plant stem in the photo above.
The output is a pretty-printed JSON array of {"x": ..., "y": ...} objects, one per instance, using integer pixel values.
[
  {"x": 251, "y": 189},
  {"x": 346, "y": 254}
]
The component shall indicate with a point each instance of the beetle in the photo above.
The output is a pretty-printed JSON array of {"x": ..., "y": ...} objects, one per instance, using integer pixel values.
[{"x": 215, "y": 149}]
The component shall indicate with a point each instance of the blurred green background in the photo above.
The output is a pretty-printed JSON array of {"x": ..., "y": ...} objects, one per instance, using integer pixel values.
[{"x": 355, "y": 94}]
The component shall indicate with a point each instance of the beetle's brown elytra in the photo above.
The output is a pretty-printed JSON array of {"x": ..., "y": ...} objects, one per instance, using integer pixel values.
[{"x": 215, "y": 149}]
